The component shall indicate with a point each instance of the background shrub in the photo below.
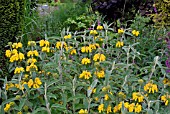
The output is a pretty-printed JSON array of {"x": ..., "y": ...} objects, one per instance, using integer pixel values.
[
  {"x": 162, "y": 17},
  {"x": 122, "y": 9},
  {"x": 11, "y": 17},
  {"x": 55, "y": 22}
]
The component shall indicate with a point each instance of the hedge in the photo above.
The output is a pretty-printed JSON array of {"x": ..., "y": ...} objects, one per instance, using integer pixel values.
[{"x": 11, "y": 17}]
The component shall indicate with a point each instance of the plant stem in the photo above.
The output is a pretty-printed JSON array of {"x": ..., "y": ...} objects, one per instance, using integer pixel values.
[{"x": 46, "y": 100}]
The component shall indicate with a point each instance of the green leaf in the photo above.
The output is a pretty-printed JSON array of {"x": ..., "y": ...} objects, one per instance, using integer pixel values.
[
  {"x": 8, "y": 100},
  {"x": 58, "y": 106},
  {"x": 150, "y": 111},
  {"x": 78, "y": 96},
  {"x": 52, "y": 82},
  {"x": 38, "y": 110},
  {"x": 157, "y": 106},
  {"x": 22, "y": 102},
  {"x": 128, "y": 33},
  {"x": 93, "y": 85},
  {"x": 50, "y": 95}
]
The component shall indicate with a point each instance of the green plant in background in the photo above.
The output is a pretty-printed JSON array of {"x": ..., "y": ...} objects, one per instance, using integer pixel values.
[
  {"x": 55, "y": 22},
  {"x": 11, "y": 19},
  {"x": 33, "y": 25},
  {"x": 162, "y": 17},
  {"x": 80, "y": 22}
]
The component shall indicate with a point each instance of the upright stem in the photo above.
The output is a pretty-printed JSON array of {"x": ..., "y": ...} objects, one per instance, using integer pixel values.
[
  {"x": 46, "y": 100},
  {"x": 89, "y": 102}
]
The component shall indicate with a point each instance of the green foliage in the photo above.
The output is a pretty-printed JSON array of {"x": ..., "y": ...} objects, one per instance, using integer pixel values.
[
  {"x": 162, "y": 18},
  {"x": 44, "y": 1},
  {"x": 80, "y": 22},
  {"x": 32, "y": 26},
  {"x": 149, "y": 38},
  {"x": 55, "y": 21},
  {"x": 121, "y": 64},
  {"x": 11, "y": 17}
]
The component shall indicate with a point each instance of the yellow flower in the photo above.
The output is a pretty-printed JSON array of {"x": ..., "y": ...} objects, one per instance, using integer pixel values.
[
  {"x": 94, "y": 90},
  {"x": 99, "y": 57},
  {"x": 14, "y": 57},
  {"x": 11, "y": 103},
  {"x": 14, "y": 51},
  {"x": 151, "y": 87},
  {"x": 92, "y": 46},
  {"x": 137, "y": 96},
  {"x": 101, "y": 108},
  {"x": 31, "y": 43},
  {"x": 99, "y": 27},
  {"x": 8, "y": 53},
  {"x": 44, "y": 43},
  {"x": 106, "y": 97},
  {"x": 120, "y": 105},
  {"x": 14, "y": 45},
  {"x": 93, "y": 32},
  {"x": 10, "y": 85},
  {"x": 135, "y": 33},
  {"x": 47, "y": 43},
  {"x": 109, "y": 109},
  {"x": 85, "y": 75},
  {"x": 31, "y": 60},
  {"x": 7, "y": 107},
  {"x": 45, "y": 49},
  {"x": 126, "y": 105},
  {"x": 35, "y": 53},
  {"x": 115, "y": 109},
  {"x": 31, "y": 67},
  {"x": 58, "y": 45},
  {"x": 119, "y": 44},
  {"x": 138, "y": 108},
  {"x": 122, "y": 95},
  {"x": 36, "y": 86},
  {"x": 165, "y": 98},
  {"x": 21, "y": 56},
  {"x": 73, "y": 51},
  {"x": 166, "y": 81},
  {"x": 67, "y": 36},
  {"x": 104, "y": 89},
  {"x": 100, "y": 74},
  {"x": 17, "y": 45},
  {"x": 83, "y": 111},
  {"x": 41, "y": 43},
  {"x": 121, "y": 31},
  {"x": 32, "y": 53},
  {"x": 96, "y": 99},
  {"x": 86, "y": 49},
  {"x": 37, "y": 81},
  {"x": 30, "y": 83},
  {"x": 85, "y": 61},
  {"x": 131, "y": 107},
  {"x": 18, "y": 70}
]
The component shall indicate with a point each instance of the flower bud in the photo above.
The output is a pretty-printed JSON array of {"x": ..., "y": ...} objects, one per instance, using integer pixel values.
[
  {"x": 25, "y": 108},
  {"x": 10, "y": 43},
  {"x": 140, "y": 81},
  {"x": 18, "y": 97}
]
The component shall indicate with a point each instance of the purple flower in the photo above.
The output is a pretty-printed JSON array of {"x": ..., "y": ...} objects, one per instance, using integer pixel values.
[
  {"x": 167, "y": 63},
  {"x": 155, "y": 10},
  {"x": 168, "y": 34},
  {"x": 168, "y": 70}
]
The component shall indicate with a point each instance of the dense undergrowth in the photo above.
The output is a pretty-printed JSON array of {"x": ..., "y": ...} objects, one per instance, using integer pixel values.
[{"x": 91, "y": 67}]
